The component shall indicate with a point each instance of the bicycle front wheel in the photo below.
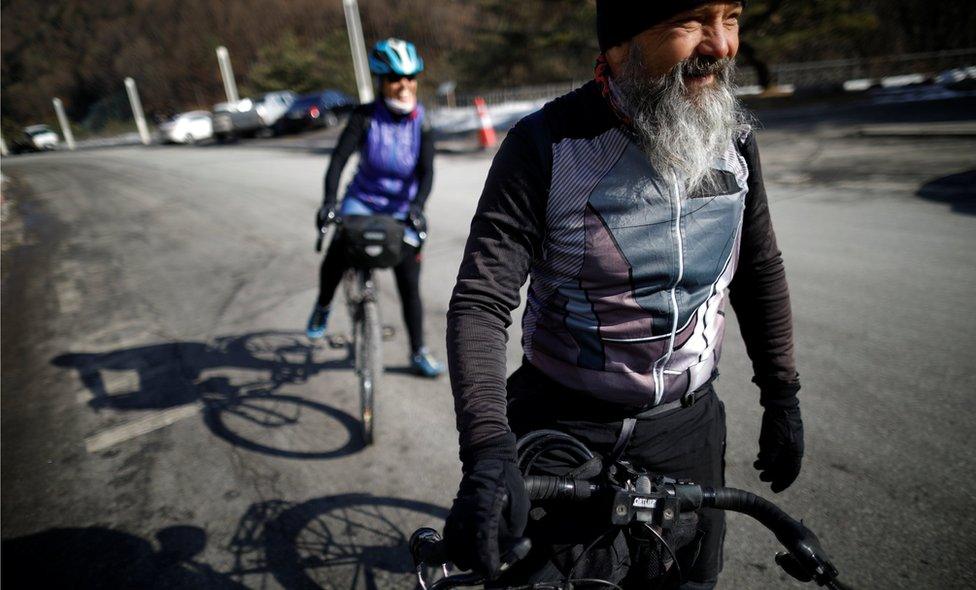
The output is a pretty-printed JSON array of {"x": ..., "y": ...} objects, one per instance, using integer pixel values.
[{"x": 369, "y": 357}]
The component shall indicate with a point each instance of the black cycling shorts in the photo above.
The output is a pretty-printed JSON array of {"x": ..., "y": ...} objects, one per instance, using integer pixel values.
[{"x": 686, "y": 443}]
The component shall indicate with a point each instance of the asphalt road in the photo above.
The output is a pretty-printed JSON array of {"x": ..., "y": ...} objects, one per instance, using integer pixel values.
[{"x": 165, "y": 423}]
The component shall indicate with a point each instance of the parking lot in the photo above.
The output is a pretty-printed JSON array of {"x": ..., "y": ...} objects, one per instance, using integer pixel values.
[{"x": 165, "y": 423}]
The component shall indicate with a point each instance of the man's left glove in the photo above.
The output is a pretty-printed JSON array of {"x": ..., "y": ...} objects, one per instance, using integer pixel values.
[
  {"x": 489, "y": 514},
  {"x": 780, "y": 442}
]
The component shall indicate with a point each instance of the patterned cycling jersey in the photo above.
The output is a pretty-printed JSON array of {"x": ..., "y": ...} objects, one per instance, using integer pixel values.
[
  {"x": 627, "y": 299},
  {"x": 629, "y": 272}
]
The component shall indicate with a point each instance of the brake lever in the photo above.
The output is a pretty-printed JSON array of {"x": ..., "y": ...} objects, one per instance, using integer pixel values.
[
  {"x": 792, "y": 566},
  {"x": 806, "y": 559},
  {"x": 318, "y": 240}
]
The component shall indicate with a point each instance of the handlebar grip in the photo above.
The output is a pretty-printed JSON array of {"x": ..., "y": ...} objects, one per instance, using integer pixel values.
[
  {"x": 428, "y": 549},
  {"x": 806, "y": 556},
  {"x": 426, "y": 546},
  {"x": 548, "y": 487}
]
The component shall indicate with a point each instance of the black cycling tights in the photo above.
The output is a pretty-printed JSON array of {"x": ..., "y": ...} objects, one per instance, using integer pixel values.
[{"x": 407, "y": 273}]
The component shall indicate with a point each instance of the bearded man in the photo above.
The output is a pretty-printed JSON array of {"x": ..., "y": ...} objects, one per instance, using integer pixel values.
[{"x": 636, "y": 206}]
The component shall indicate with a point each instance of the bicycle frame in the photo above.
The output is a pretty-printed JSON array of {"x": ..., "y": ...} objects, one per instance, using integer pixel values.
[
  {"x": 358, "y": 289},
  {"x": 361, "y": 297}
]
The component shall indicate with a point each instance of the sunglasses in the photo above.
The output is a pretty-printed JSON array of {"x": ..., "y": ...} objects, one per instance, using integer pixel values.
[{"x": 394, "y": 78}]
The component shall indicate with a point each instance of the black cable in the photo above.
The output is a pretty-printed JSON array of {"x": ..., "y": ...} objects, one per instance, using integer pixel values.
[
  {"x": 528, "y": 450},
  {"x": 553, "y": 446},
  {"x": 550, "y": 437},
  {"x": 531, "y": 446}
]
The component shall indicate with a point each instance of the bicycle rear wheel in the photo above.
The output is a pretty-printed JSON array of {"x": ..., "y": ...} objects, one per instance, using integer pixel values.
[{"x": 369, "y": 364}]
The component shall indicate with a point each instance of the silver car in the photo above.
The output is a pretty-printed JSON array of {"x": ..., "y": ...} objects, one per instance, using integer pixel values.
[
  {"x": 223, "y": 125},
  {"x": 257, "y": 116}
]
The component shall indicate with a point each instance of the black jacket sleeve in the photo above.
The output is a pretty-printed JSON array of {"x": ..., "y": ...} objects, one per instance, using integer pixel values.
[
  {"x": 506, "y": 234},
  {"x": 350, "y": 140},
  {"x": 425, "y": 167},
  {"x": 759, "y": 293}
]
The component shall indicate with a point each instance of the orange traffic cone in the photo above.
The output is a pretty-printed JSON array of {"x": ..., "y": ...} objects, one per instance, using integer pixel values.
[{"x": 486, "y": 134}]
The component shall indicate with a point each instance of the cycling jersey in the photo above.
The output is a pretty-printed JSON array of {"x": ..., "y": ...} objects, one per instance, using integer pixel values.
[
  {"x": 628, "y": 271},
  {"x": 396, "y": 154}
]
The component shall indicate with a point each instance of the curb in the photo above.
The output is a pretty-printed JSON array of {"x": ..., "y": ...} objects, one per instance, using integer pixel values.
[{"x": 962, "y": 130}]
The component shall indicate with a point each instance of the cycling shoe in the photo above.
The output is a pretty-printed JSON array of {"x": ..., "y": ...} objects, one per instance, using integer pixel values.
[
  {"x": 424, "y": 364},
  {"x": 317, "y": 322}
]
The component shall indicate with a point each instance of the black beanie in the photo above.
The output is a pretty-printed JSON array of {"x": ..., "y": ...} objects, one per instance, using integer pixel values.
[{"x": 619, "y": 20}]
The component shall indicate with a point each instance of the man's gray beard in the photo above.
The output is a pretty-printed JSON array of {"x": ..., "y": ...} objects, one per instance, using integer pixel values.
[{"x": 683, "y": 131}]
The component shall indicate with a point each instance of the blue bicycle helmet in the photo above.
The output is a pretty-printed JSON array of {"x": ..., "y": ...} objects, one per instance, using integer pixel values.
[{"x": 395, "y": 56}]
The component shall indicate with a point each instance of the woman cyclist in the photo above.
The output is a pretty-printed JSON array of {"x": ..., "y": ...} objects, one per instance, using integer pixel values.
[{"x": 394, "y": 178}]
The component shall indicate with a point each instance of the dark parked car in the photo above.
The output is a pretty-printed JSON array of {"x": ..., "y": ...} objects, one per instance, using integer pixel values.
[{"x": 319, "y": 109}]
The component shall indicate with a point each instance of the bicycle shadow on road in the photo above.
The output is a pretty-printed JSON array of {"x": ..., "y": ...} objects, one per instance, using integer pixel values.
[
  {"x": 347, "y": 542},
  {"x": 237, "y": 381},
  {"x": 96, "y": 557},
  {"x": 957, "y": 190}
]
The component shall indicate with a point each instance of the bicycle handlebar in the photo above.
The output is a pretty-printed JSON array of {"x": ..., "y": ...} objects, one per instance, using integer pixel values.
[
  {"x": 805, "y": 558},
  {"x": 544, "y": 487},
  {"x": 333, "y": 218}
]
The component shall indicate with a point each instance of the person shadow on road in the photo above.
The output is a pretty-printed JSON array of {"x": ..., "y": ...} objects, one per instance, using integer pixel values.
[{"x": 96, "y": 557}]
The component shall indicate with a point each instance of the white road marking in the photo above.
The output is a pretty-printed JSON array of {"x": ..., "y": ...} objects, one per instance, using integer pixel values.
[{"x": 139, "y": 427}]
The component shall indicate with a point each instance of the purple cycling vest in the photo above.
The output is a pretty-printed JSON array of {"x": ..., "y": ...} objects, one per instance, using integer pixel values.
[{"x": 386, "y": 181}]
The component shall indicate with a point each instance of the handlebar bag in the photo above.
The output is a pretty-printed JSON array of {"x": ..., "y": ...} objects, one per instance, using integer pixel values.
[{"x": 372, "y": 241}]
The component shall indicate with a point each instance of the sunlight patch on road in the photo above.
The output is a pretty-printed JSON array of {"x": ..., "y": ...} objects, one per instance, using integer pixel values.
[
  {"x": 69, "y": 297},
  {"x": 139, "y": 427}
]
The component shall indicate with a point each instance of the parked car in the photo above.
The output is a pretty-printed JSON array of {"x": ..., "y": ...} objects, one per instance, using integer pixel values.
[
  {"x": 188, "y": 128},
  {"x": 35, "y": 138},
  {"x": 318, "y": 109},
  {"x": 223, "y": 126},
  {"x": 251, "y": 116}
]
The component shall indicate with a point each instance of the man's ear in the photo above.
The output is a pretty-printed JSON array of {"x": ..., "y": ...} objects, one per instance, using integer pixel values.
[{"x": 617, "y": 57}]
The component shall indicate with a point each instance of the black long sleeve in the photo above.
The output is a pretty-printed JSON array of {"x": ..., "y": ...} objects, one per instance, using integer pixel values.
[
  {"x": 759, "y": 292},
  {"x": 425, "y": 167},
  {"x": 506, "y": 233},
  {"x": 350, "y": 140}
]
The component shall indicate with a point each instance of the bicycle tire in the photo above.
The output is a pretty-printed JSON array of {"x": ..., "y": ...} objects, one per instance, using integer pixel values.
[{"x": 370, "y": 362}]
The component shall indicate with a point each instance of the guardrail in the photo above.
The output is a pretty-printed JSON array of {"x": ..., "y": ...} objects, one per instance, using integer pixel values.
[
  {"x": 842, "y": 70},
  {"x": 519, "y": 94},
  {"x": 799, "y": 75}
]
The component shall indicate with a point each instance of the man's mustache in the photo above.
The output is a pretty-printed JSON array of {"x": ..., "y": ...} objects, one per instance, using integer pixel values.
[{"x": 702, "y": 65}]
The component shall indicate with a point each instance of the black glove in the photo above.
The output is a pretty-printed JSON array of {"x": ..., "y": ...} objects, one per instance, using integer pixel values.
[
  {"x": 780, "y": 443},
  {"x": 324, "y": 216},
  {"x": 488, "y": 515},
  {"x": 418, "y": 221}
]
